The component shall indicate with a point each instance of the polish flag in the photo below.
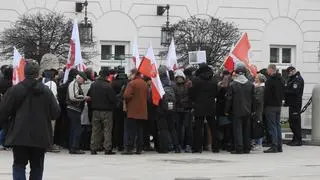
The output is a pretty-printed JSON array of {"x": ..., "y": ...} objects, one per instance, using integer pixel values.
[
  {"x": 242, "y": 49},
  {"x": 171, "y": 61},
  {"x": 135, "y": 61},
  {"x": 18, "y": 67},
  {"x": 148, "y": 67},
  {"x": 74, "y": 58}
]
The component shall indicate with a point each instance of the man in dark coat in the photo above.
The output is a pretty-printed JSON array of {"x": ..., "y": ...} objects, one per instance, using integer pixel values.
[
  {"x": 240, "y": 97},
  {"x": 103, "y": 102},
  {"x": 273, "y": 96},
  {"x": 293, "y": 97},
  {"x": 31, "y": 106},
  {"x": 203, "y": 95}
]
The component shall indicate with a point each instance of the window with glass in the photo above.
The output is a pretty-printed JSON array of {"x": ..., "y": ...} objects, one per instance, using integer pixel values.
[
  {"x": 119, "y": 52},
  {"x": 106, "y": 52},
  {"x": 282, "y": 54}
]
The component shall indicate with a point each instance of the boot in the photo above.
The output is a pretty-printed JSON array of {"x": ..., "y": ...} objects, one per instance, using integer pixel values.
[
  {"x": 295, "y": 143},
  {"x": 18, "y": 173}
]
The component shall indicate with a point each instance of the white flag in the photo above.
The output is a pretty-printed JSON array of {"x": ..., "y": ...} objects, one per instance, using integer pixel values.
[
  {"x": 134, "y": 61},
  {"x": 171, "y": 61}
]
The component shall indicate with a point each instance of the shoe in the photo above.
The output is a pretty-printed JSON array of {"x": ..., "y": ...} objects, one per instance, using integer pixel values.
[
  {"x": 236, "y": 152},
  {"x": 148, "y": 148},
  {"x": 295, "y": 143},
  {"x": 271, "y": 150},
  {"x": 76, "y": 152},
  {"x": 138, "y": 152},
  {"x": 246, "y": 152},
  {"x": 290, "y": 143},
  {"x": 177, "y": 150},
  {"x": 266, "y": 145},
  {"x": 196, "y": 151},
  {"x": 120, "y": 149},
  {"x": 188, "y": 149},
  {"x": 257, "y": 148},
  {"x": 53, "y": 149},
  {"x": 280, "y": 149},
  {"x": 94, "y": 152},
  {"x": 127, "y": 152},
  {"x": 110, "y": 152},
  {"x": 215, "y": 150}
]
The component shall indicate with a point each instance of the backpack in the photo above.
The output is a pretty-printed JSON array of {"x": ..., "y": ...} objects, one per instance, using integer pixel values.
[{"x": 168, "y": 101}]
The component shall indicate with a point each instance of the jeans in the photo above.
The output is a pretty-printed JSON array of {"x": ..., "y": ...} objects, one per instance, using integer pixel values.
[
  {"x": 185, "y": 128},
  {"x": 134, "y": 127},
  {"x": 2, "y": 137},
  {"x": 241, "y": 132},
  {"x": 75, "y": 129},
  {"x": 22, "y": 155},
  {"x": 274, "y": 128}
]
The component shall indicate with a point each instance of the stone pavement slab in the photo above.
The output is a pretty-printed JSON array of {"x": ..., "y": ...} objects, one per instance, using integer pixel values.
[{"x": 297, "y": 163}]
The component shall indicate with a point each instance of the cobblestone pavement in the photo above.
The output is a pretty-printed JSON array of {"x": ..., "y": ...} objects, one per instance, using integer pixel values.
[{"x": 297, "y": 163}]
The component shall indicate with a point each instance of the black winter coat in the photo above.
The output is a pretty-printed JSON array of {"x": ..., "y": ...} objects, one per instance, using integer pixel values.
[
  {"x": 103, "y": 97},
  {"x": 294, "y": 90},
  {"x": 182, "y": 99},
  {"x": 203, "y": 95},
  {"x": 240, "y": 97},
  {"x": 37, "y": 107},
  {"x": 274, "y": 91}
]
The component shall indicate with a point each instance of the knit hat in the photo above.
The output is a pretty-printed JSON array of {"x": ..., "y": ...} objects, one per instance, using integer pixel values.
[
  {"x": 31, "y": 69},
  {"x": 240, "y": 68},
  {"x": 83, "y": 75},
  {"x": 179, "y": 73},
  {"x": 291, "y": 68}
]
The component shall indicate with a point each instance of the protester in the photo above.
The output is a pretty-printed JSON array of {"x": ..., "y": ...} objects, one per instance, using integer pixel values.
[
  {"x": 5, "y": 84},
  {"x": 183, "y": 109},
  {"x": 32, "y": 106},
  {"x": 259, "y": 103},
  {"x": 103, "y": 102},
  {"x": 203, "y": 95},
  {"x": 75, "y": 105},
  {"x": 135, "y": 97},
  {"x": 225, "y": 122},
  {"x": 240, "y": 106},
  {"x": 166, "y": 116},
  {"x": 293, "y": 97},
  {"x": 273, "y": 96}
]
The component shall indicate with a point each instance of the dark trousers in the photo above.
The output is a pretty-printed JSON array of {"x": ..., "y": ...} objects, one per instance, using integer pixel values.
[
  {"x": 295, "y": 122},
  {"x": 134, "y": 128},
  {"x": 273, "y": 120},
  {"x": 199, "y": 132},
  {"x": 241, "y": 132},
  {"x": 185, "y": 128},
  {"x": 118, "y": 132},
  {"x": 166, "y": 123},
  {"x": 21, "y": 156},
  {"x": 75, "y": 129}
]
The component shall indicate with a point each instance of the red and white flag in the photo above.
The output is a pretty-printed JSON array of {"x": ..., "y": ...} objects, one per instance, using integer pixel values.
[
  {"x": 229, "y": 64},
  {"x": 242, "y": 49},
  {"x": 171, "y": 60},
  {"x": 133, "y": 62},
  {"x": 18, "y": 67},
  {"x": 74, "y": 57},
  {"x": 148, "y": 67}
]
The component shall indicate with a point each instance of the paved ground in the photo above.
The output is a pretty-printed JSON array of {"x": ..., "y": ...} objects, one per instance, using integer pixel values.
[{"x": 298, "y": 163}]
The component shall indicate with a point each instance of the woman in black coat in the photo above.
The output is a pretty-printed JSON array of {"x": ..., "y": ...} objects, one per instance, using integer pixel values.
[{"x": 203, "y": 95}]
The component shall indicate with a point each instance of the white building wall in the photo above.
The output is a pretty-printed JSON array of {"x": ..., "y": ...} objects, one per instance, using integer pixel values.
[{"x": 268, "y": 22}]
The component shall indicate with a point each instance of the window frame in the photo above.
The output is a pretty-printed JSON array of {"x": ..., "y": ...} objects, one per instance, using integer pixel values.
[
  {"x": 281, "y": 47},
  {"x": 113, "y": 44}
]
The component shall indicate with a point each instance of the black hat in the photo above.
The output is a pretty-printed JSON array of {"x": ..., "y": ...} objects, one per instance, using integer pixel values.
[
  {"x": 83, "y": 75},
  {"x": 31, "y": 69},
  {"x": 291, "y": 68}
]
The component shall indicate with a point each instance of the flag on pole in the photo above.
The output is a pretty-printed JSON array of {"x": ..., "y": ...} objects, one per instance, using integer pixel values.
[
  {"x": 74, "y": 57},
  {"x": 18, "y": 67},
  {"x": 242, "y": 48},
  {"x": 171, "y": 60},
  {"x": 148, "y": 67},
  {"x": 133, "y": 62}
]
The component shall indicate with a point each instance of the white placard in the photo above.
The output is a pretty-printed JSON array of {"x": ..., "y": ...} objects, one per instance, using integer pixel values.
[{"x": 197, "y": 57}]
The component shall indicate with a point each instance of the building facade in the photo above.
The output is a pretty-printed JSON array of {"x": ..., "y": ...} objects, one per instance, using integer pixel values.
[{"x": 284, "y": 32}]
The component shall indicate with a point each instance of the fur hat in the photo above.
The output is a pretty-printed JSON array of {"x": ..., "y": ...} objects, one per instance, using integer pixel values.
[{"x": 179, "y": 73}]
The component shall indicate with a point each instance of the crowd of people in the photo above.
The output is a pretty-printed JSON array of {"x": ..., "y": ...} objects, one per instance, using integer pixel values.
[{"x": 114, "y": 112}]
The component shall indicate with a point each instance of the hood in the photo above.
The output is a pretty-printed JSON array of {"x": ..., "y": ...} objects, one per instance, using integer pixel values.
[
  {"x": 241, "y": 79},
  {"x": 165, "y": 81},
  {"x": 33, "y": 86}
]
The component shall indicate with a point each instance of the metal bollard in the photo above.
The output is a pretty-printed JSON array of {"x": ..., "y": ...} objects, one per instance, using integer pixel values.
[{"x": 316, "y": 115}]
